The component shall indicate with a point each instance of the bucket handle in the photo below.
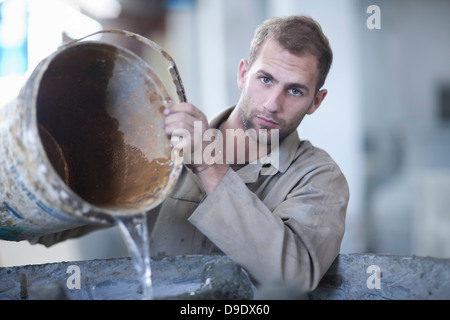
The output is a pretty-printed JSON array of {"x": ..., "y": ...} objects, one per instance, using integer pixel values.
[{"x": 178, "y": 83}]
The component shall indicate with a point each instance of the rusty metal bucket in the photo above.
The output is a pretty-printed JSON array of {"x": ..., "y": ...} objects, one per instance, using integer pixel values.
[{"x": 83, "y": 143}]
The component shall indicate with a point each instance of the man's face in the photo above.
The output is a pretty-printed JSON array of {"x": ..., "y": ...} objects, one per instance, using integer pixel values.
[{"x": 278, "y": 90}]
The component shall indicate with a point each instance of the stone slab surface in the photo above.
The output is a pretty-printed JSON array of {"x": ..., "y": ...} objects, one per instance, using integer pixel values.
[{"x": 351, "y": 277}]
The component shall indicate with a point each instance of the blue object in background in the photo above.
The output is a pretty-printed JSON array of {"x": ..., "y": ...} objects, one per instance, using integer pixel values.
[
  {"x": 179, "y": 4},
  {"x": 13, "y": 38}
]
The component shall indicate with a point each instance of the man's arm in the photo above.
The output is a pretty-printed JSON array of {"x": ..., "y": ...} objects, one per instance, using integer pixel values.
[{"x": 295, "y": 243}]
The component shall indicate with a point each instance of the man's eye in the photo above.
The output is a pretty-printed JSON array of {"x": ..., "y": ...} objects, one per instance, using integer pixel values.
[
  {"x": 265, "y": 80},
  {"x": 295, "y": 92}
]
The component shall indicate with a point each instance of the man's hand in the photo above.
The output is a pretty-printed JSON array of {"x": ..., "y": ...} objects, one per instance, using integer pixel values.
[{"x": 185, "y": 126}]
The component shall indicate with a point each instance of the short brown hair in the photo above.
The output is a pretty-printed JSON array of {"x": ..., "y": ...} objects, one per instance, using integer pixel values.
[{"x": 298, "y": 35}]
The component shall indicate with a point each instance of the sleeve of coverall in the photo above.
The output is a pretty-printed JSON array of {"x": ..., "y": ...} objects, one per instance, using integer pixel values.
[{"x": 296, "y": 243}]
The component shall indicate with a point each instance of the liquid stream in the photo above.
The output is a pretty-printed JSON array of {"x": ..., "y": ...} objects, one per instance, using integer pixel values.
[{"x": 134, "y": 231}]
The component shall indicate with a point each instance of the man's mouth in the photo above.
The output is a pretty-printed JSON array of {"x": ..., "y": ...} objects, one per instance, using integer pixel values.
[{"x": 267, "y": 122}]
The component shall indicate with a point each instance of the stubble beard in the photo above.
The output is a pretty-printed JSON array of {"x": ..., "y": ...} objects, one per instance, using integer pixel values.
[{"x": 283, "y": 132}]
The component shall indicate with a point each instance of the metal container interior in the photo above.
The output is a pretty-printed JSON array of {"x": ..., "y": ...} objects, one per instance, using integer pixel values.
[{"x": 100, "y": 117}]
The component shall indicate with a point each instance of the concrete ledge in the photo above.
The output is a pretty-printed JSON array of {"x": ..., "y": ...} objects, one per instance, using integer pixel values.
[
  {"x": 401, "y": 278},
  {"x": 351, "y": 277}
]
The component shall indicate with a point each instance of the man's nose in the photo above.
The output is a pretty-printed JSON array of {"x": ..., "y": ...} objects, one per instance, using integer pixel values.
[{"x": 274, "y": 100}]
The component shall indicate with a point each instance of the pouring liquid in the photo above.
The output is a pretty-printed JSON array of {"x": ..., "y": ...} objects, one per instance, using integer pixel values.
[{"x": 134, "y": 231}]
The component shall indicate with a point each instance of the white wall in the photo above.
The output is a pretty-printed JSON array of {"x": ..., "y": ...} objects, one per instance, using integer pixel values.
[{"x": 410, "y": 151}]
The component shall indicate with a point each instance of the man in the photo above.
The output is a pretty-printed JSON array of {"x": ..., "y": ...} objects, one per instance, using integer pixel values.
[
  {"x": 286, "y": 226},
  {"x": 281, "y": 224}
]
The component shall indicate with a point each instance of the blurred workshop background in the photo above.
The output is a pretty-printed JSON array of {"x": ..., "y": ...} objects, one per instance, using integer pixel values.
[{"x": 386, "y": 120}]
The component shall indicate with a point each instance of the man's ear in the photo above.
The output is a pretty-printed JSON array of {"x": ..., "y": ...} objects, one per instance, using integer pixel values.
[
  {"x": 320, "y": 96},
  {"x": 242, "y": 72}
]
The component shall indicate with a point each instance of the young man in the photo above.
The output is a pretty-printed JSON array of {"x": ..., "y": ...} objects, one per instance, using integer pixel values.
[
  {"x": 285, "y": 226},
  {"x": 281, "y": 224}
]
